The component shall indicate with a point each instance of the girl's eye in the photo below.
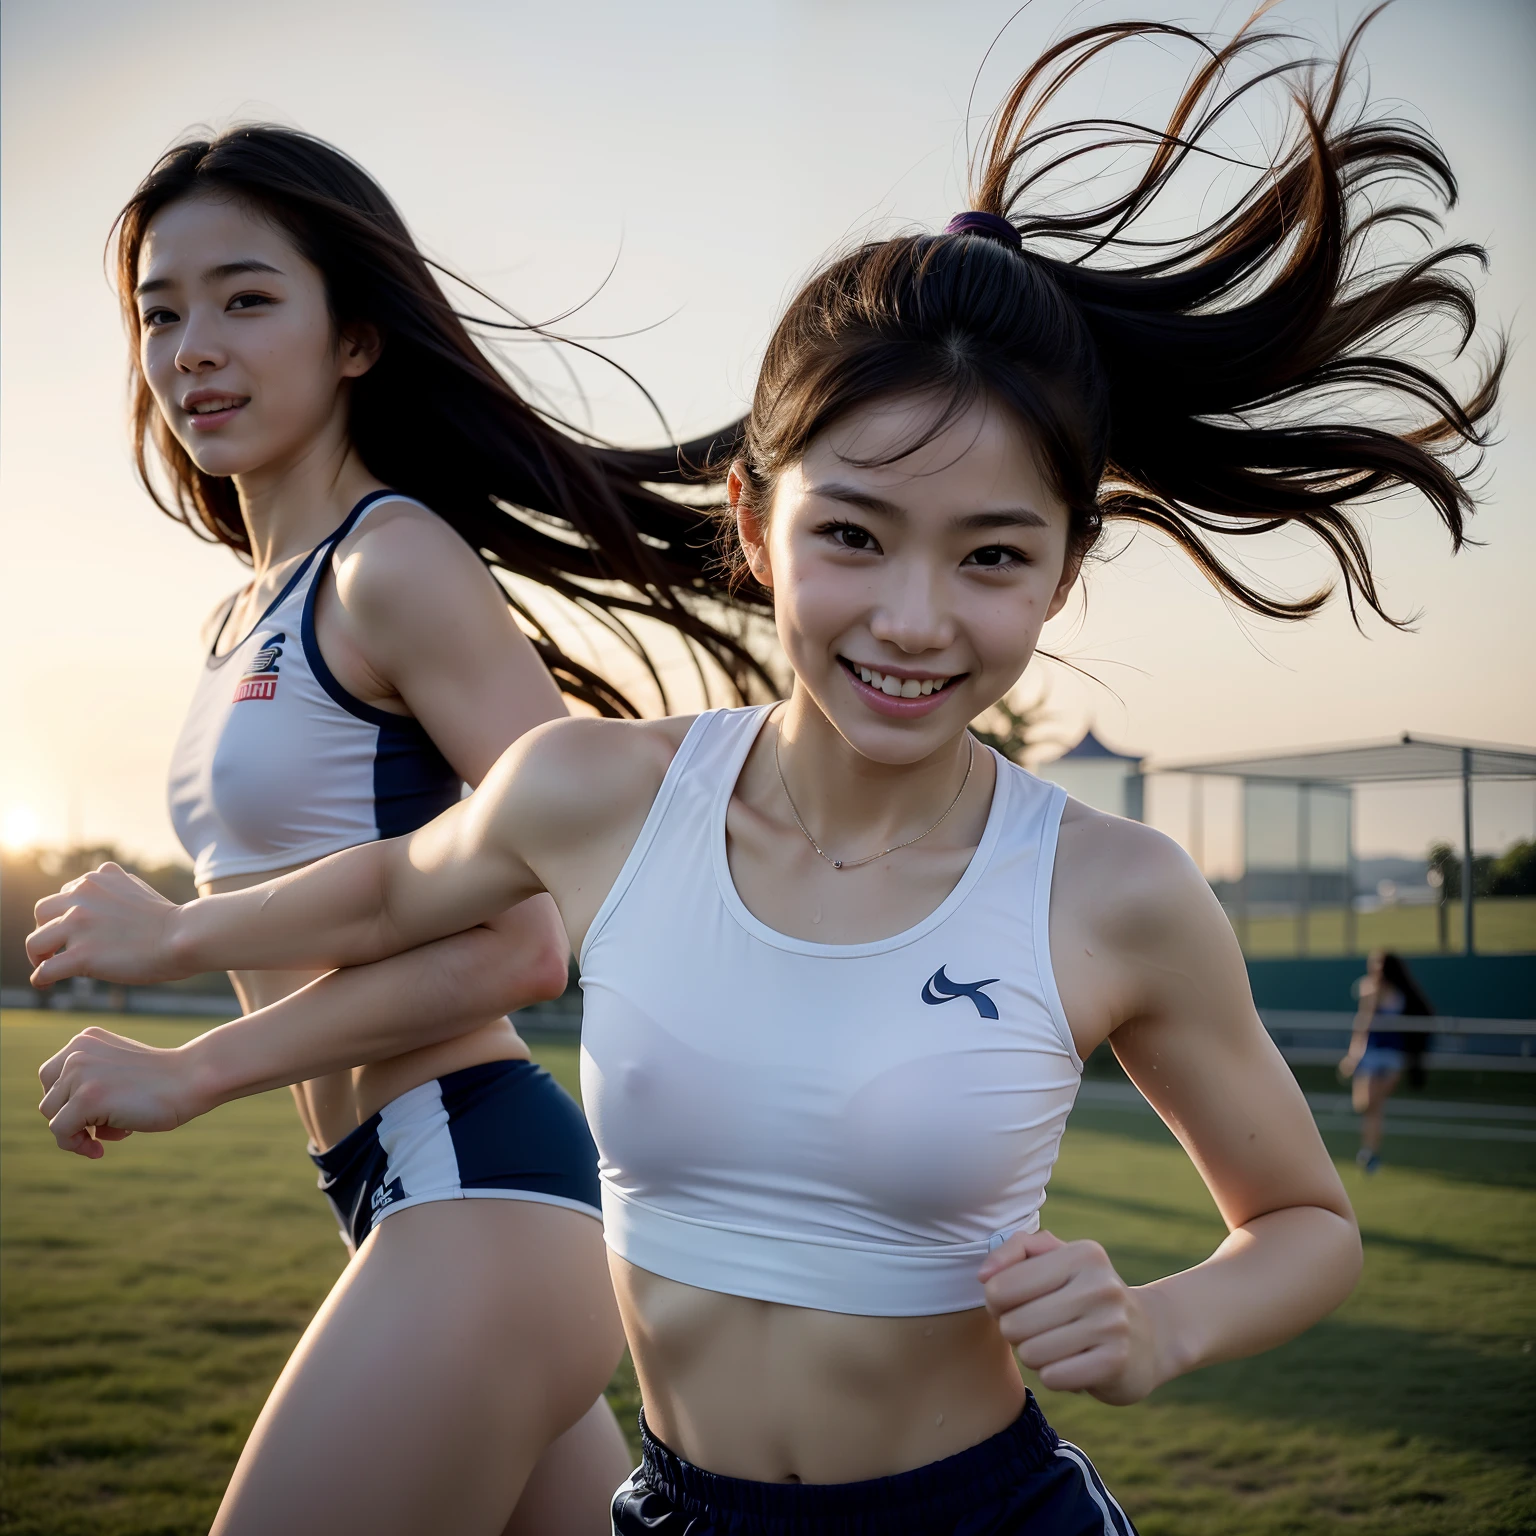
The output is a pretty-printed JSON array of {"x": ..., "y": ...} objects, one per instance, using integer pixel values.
[
  {"x": 156, "y": 317},
  {"x": 995, "y": 557},
  {"x": 248, "y": 300},
  {"x": 849, "y": 536}
]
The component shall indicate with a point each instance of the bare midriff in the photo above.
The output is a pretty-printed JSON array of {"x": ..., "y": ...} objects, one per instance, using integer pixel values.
[
  {"x": 775, "y": 1394},
  {"x": 332, "y": 1106}
]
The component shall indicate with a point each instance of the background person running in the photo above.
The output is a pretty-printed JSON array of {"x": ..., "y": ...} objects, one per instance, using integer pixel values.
[
  {"x": 842, "y": 968},
  {"x": 305, "y": 394},
  {"x": 1379, "y": 1054}
]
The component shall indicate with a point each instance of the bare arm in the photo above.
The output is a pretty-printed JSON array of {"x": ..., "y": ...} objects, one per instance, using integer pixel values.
[
  {"x": 1203, "y": 1060},
  {"x": 1365, "y": 1014},
  {"x": 415, "y": 623},
  {"x": 370, "y": 1013},
  {"x": 1191, "y": 1041},
  {"x": 361, "y": 905}
]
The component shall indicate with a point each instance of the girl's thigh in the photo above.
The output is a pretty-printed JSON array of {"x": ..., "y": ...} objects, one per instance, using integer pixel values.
[
  {"x": 1380, "y": 1087},
  {"x": 464, "y": 1338},
  {"x": 1370, "y": 1090},
  {"x": 570, "y": 1492}
]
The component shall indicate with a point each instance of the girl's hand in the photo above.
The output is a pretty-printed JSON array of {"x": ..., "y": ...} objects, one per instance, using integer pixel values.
[
  {"x": 1070, "y": 1318},
  {"x": 1348, "y": 1064},
  {"x": 113, "y": 1086},
  {"x": 107, "y": 924}
]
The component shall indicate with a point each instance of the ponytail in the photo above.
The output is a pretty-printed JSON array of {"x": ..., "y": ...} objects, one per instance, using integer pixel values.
[{"x": 1196, "y": 385}]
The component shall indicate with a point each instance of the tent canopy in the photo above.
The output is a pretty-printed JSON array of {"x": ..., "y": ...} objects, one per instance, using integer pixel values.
[{"x": 1408, "y": 758}]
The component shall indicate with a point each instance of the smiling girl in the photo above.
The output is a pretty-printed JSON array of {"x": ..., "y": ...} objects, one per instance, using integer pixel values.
[
  {"x": 306, "y": 395},
  {"x": 842, "y": 965}
]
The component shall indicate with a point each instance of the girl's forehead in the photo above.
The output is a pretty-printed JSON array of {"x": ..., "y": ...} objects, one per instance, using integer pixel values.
[
  {"x": 915, "y": 451},
  {"x": 202, "y": 226}
]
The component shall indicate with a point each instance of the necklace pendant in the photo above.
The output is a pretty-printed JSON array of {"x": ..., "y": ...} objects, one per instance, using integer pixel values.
[{"x": 837, "y": 863}]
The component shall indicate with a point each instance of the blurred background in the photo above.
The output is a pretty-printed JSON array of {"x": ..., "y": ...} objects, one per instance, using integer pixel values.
[{"x": 669, "y": 172}]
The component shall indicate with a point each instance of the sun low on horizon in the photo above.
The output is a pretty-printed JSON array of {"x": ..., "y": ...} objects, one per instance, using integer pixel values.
[{"x": 20, "y": 828}]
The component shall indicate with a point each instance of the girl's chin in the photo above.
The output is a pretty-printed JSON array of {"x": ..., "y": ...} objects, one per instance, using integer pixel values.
[{"x": 222, "y": 459}]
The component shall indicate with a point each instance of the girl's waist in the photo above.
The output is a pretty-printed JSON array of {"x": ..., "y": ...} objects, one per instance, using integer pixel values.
[
  {"x": 835, "y": 1397},
  {"x": 333, "y": 1106}
]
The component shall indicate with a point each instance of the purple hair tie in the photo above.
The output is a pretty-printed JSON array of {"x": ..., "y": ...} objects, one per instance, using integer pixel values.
[{"x": 988, "y": 224}]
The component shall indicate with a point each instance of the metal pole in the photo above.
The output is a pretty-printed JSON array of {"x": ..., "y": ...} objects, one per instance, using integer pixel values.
[
  {"x": 1303, "y": 878},
  {"x": 1349, "y": 872},
  {"x": 1466, "y": 851}
]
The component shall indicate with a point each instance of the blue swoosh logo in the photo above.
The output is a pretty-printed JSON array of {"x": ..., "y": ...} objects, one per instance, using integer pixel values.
[{"x": 940, "y": 989}]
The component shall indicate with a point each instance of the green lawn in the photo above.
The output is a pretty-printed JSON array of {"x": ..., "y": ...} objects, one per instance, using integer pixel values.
[
  {"x": 149, "y": 1301},
  {"x": 1503, "y": 925}
]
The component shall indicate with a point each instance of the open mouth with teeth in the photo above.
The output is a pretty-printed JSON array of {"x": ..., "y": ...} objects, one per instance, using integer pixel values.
[
  {"x": 897, "y": 687},
  {"x": 222, "y": 403}
]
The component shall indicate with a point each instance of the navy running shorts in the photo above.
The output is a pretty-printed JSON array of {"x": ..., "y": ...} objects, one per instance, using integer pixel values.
[
  {"x": 504, "y": 1130},
  {"x": 1024, "y": 1481}
]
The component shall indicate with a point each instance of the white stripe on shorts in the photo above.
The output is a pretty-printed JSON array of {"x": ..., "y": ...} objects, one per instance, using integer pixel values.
[
  {"x": 1115, "y": 1524},
  {"x": 413, "y": 1130}
]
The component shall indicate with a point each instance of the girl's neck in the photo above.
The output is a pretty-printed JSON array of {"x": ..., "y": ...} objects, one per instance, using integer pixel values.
[
  {"x": 854, "y": 805},
  {"x": 291, "y": 506}
]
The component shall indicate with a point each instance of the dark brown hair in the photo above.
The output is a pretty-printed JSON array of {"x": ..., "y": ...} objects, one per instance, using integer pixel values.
[
  {"x": 435, "y": 419},
  {"x": 1397, "y": 975},
  {"x": 1195, "y": 385}
]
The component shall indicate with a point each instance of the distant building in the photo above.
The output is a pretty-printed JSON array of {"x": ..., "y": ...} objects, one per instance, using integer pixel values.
[{"x": 1093, "y": 773}]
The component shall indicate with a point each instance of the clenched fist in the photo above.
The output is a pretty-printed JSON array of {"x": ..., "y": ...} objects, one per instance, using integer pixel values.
[
  {"x": 102, "y": 1087},
  {"x": 107, "y": 924},
  {"x": 1070, "y": 1318}
]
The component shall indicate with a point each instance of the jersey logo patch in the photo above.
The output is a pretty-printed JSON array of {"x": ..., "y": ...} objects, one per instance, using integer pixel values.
[
  {"x": 260, "y": 679},
  {"x": 940, "y": 989}
]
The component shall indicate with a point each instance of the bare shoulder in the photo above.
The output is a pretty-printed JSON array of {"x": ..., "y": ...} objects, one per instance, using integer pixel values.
[
  {"x": 404, "y": 554},
  {"x": 579, "y": 777},
  {"x": 1131, "y": 885},
  {"x": 596, "y": 751}
]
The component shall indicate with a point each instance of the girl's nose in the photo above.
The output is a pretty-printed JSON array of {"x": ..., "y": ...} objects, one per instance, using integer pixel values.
[
  {"x": 912, "y": 614},
  {"x": 199, "y": 347}
]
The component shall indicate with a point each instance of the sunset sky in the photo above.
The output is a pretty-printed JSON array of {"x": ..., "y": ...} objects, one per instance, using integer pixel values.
[{"x": 709, "y": 154}]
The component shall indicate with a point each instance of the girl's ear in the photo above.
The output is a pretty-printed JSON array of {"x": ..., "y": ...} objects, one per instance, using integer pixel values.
[
  {"x": 359, "y": 347},
  {"x": 1070, "y": 571},
  {"x": 751, "y": 525}
]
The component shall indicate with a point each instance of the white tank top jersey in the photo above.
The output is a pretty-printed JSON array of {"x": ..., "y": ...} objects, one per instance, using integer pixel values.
[
  {"x": 850, "y": 1127},
  {"x": 277, "y": 763}
]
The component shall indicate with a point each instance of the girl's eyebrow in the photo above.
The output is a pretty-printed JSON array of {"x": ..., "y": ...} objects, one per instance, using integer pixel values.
[
  {"x": 1001, "y": 517},
  {"x": 212, "y": 275}
]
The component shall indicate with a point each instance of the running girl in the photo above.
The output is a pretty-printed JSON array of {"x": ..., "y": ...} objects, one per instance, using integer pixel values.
[
  {"x": 841, "y": 965},
  {"x": 312, "y": 401},
  {"x": 1378, "y": 1053}
]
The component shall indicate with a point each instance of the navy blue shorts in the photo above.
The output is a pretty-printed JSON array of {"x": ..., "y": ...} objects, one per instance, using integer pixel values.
[
  {"x": 1024, "y": 1481},
  {"x": 505, "y": 1130}
]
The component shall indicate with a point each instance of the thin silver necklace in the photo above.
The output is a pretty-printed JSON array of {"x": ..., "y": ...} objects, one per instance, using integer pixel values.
[{"x": 895, "y": 847}]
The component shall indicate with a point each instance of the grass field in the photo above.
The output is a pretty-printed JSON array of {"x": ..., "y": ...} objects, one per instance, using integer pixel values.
[
  {"x": 149, "y": 1301},
  {"x": 1503, "y": 925}
]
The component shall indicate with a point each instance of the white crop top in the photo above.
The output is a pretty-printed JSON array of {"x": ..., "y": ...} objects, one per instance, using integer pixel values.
[
  {"x": 849, "y": 1127},
  {"x": 278, "y": 764}
]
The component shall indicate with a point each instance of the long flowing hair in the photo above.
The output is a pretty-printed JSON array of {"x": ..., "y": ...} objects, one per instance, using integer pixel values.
[
  {"x": 1257, "y": 373},
  {"x": 436, "y": 419}
]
